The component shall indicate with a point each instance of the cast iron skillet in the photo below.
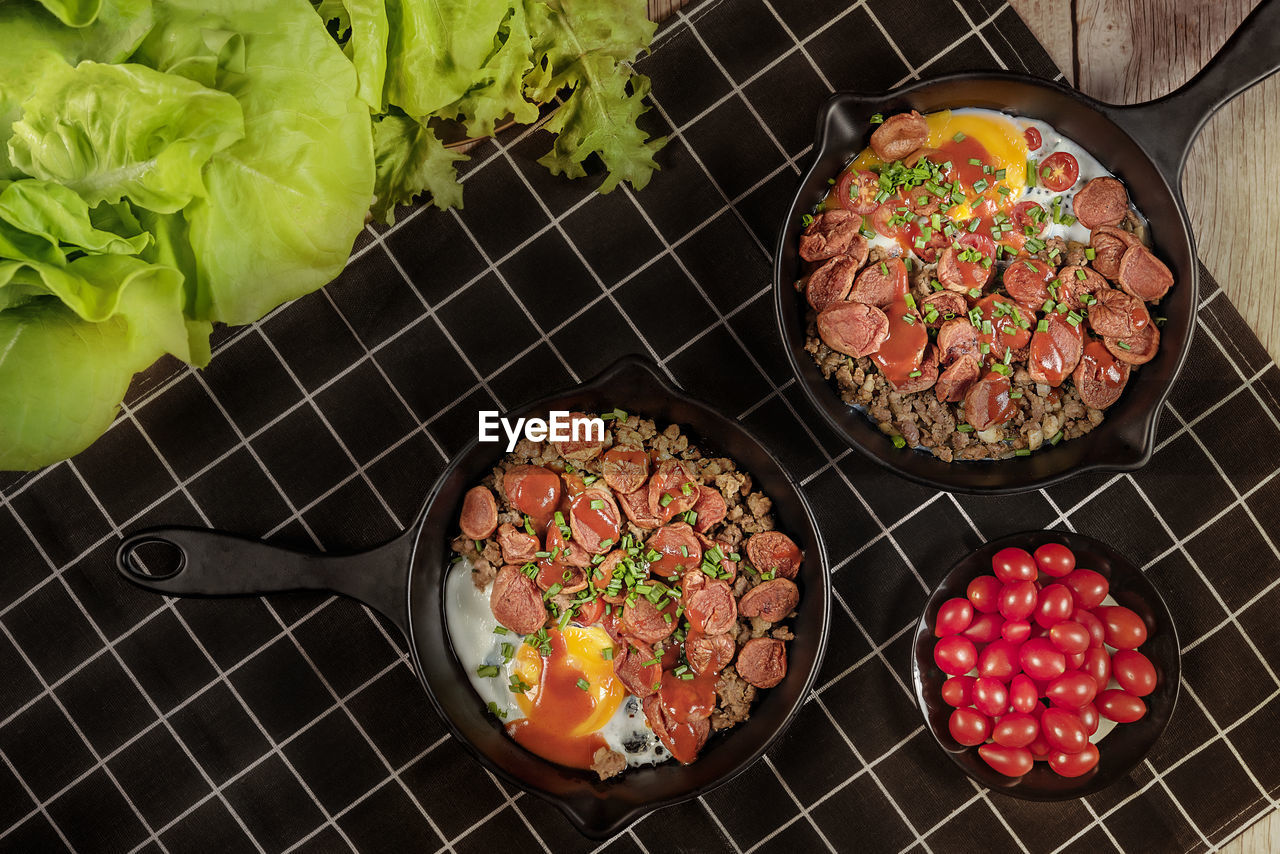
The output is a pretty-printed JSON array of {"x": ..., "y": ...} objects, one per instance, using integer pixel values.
[
  {"x": 404, "y": 580},
  {"x": 1144, "y": 145}
]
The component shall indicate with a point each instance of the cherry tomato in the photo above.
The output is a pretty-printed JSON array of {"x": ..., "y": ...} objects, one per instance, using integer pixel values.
[
  {"x": 1072, "y": 690},
  {"x": 984, "y": 593},
  {"x": 955, "y": 655},
  {"x": 969, "y": 727},
  {"x": 857, "y": 191},
  {"x": 1015, "y": 631},
  {"x": 1033, "y": 138},
  {"x": 1023, "y": 216},
  {"x": 1009, "y": 761},
  {"x": 1074, "y": 764},
  {"x": 1134, "y": 671},
  {"x": 954, "y": 617},
  {"x": 1069, "y": 636},
  {"x": 1063, "y": 730},
  {"x": 1015, "y": 729},
  {"x": 1089, "y": 587},
  {"x": 1023, "y": 696},
  {"x": 1053, "y": 605},
  {"x": 1075, "y": 660},
  {"x": 1040, "y": 748},
  {"x": 1121, "y": 706},
  {"x": 590, "y": 613},
  {"x": 1097, "y": 631},
  {"x": 883, "y": 219},
  {"x": 1125, "y": 629},
  {"x": 990, "y": 696},
  {"x": 1012, "y": 565},
  {"x": 1097, "y": 663},
  {"x": 1054, "y": 558},
  {"x": 1059, "y": 172},
  {"x": 986, "y": 246},
  {"x": 1088, "y": 714},
  {"x": 958, "y": 691},
  {"x": 985, "y": 628},
  {"x": 999, "y": 660},
  {"x": 1041, "y": 660},
  {"x": 1018, "y": 600}
]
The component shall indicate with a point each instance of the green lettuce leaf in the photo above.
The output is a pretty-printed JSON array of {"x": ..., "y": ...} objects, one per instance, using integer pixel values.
[
  {"x": 110, "y": 131},
  {"x": 499, "y": 92},
  {"x": 74, "y": 13},
  {"x": 55, "y": 213},
  {"x": 410, "y": 158},
  {"x": 367, "y": 48}
]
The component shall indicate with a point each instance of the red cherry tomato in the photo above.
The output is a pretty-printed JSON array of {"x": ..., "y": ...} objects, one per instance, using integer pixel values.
[
  {"x": 1069, "y": 636},
  {"x": 1088, "y": 714},
  {"x": 990, "y": 696},
  {"x": 884, "y": 223},
  {"x": 1023, "y": 216},
  {"x": 958, "y": 691},
  {"x": 857, "y": 191},
  {"x": 1063, "y": 730},
  {"x": 1089, "y": 587},
  {"x": 1054, "y": 558},
  {"x": 1120, "y": 706},
  {"x": 969, "y": 727},
  {"x": 1134, "y": 671},
  {"x": 999, "y": 660},
  {"x": 1097, "y": 631},
  {"x": 1125, "y": 629},
  {"x": 1041, "y": 660},
  {"x": 1015, "y": 729},
  {"x": 1012, "y": 565},
  {"x": 1033, "y": 139},
  {"x": 1018, "y": 600},
  {"x": 985, "y": 628},
  {"x": 1009, "y": 761},
  {"x": 1074, "y": 764},
  {"x": 955, "y": 655},
  {"x": 954, "y": 617},
  {"x": 1075, "y": 660},
  {"x": 984, "y": 593},
  {"x": 1053, "y": 605},
  {"x": 1072, "y": 690},
  {"x": 1023, "y": 696},
  {"x": 1040, "y": 748},
  {"x": 1015, "y": 631},
  {"x": 590, "y": 613},
  {"x": 1097, "y": 663},
  {"x": 1059, "y": 172}
]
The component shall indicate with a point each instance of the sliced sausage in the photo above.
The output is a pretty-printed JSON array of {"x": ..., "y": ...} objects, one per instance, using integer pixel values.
[
  {"x": 935, "y": 156},
  {"x": 1116, "y": 314},
  {"x": 1143, "y": 275},
  {"x": 1136, "y": 349},
  {"x": 1026, "y": 280},
  {"x": 763, "y": 662},
  {"x": 566, "y": 551},
  {"x": 636, "y": 506},
  {"x": 710, "y": 509},
  {"x": 672, "y": 490},
  {"x": 957, "y": 378},
  {"x": 1109, "y": 245},
  {"x": 625, "y": 468},
  {"x": 643, "y": 620},
  {"x": 594, "y": 519},
  {"x": 638, "y": 666},
  {"x": 712, "y": 610},
  {"x": 690, "y": 583},
  {"x": 920, "y": 201},
  {"x": 516, "y": 602},
  {"x": 1075, "y": 282},
  {"x": 584, "y": 447},
  {"x": 533, "y": 491},
  {"x": 987, "y": 402},
  {"x": 1102, "y": 201},
  {"x": 928, "y": 374},
  {"x": 1100, "y": 377},
  {"x": 709, "y": 653},
  {"x": 957, "y": 338},
  {"x": 853, "y": 328},
  {"x": 570, "y": 577},
  {"x": 602, "y": 578},
  {"x": 831, "y": 282},
  {"x": 881, "y": 283},
  {"x": 961, "y": 276},
  {"x": 679, "y": 547},
  {"x": 774, "y": 551},
  {"x": 479, "y": 517},
  {"x": 518, "y": 547},
  {"x": 683, "y": 739},
  {"x": 770, "y": 600},
  {"x": 945, "y": 306},
  {"x": 899, "y": 136},
  {"x": 833, "y": 233},
  {"x": 1055, "y": 352}
]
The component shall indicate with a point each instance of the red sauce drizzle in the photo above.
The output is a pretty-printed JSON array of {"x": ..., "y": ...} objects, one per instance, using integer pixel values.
[
  {"x": 903, "y": 351},
  {"x": 1103, "y": 365},
  {"x": 1004, "y": 326},
  {"x": 537, "y": 495},
  {"x": 683, "y": 699},
  {"x": 559, "y": 707},
  {"x": 999, "y": 406},
  {"x": 1046, "y": 352},
  {"x": 603, "y": 523}
]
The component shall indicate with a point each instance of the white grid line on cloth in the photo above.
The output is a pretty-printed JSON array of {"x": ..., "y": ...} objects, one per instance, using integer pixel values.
[
  {"x": 1217, "y": 728},
  {"x": 804, "y": 810},
  {"x": 39, "y": 810}
]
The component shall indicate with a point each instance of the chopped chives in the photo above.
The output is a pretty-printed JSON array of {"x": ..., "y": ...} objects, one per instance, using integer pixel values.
[
  {"x": 1042, "y": 326},
  {"x": 501, "y": 630},
  {"x": 1023, "y": 452},
  {"x": 899, "y": 442},
  {"x": 665, "y": 500},
  {"x": 597, "y": 504},
  {"x": 1090, "y": 253},
  {"x": 487, "y": 670},
  {"x": 583, "y": 684}
]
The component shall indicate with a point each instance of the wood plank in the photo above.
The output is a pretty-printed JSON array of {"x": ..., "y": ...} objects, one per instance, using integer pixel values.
[{"x": 1050, "y": 21}]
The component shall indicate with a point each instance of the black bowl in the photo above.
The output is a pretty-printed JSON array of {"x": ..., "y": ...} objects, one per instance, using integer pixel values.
[{"x": 1127, "y": 744}]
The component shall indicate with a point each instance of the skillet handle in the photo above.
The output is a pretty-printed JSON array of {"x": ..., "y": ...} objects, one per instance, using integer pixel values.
[
  {"x": 1166, "y": 127},
  {"x": 211, "y": 563}
]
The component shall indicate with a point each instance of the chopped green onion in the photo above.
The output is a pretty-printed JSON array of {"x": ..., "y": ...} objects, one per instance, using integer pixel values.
[
  {"x": 806, "y": 220},
  {"x": 501, "y": 630},
  {"x": 959, "y": 137},
  {"x": 980, "y": 186},
  {"x": 975, "y": 292},
  {"x": 1014, "y": 395},
  {"x": 1042, "y": 326},
  {"x": 597, "y": 504},
  {"x": 899, "y": 442},
  {"x": 965, "y": 428},
  {"x": 1090, "y": 253},
  {"x": 911, "y": 321},
  {"x": 1003, "y": 369},
  {"x": 1123, "y": 345},
  {"x": 583, "y": 684},
  {"x": 1057, "y": 437},
  {"x": 973, "y": 161},
  {"x": 1031, "y": 173},
  {"x": 910, "y": 301},
  {"x": 1081, "y": 274},
  {"x": 915, "y": 373},
  {"x": 665, "y": 500},
  {"x": 876, "y": 119},
  {"x": 1023, "y": 452},
  {"x": 487, "y": 670},
  {"x": 497, "y": 713},
  {"x": 884, "y": 269},
  {"x": 607, "y": 652},
  {"x": 1000, "y": 173}
]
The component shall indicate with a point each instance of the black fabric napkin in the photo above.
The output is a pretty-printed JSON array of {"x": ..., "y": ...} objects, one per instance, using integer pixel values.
[{"x": 294, "y": 722}]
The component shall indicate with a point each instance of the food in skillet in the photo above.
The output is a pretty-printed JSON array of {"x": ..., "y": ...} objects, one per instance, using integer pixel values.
[
  {"x": 980, "y": 285},
  {"x": 616, "y": 602}
]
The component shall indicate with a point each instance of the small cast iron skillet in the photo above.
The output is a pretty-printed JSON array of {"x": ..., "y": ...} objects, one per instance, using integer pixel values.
[
  {"x": 1144, "y": 145},
  {"x": 404, "y": 580},
  {"x": 1126, "y": 745}
]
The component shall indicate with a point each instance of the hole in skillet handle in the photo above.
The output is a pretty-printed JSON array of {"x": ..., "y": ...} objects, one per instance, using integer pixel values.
[{"x": 150, "y": 558}]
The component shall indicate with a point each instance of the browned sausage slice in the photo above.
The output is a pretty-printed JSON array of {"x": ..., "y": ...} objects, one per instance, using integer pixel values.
[
  {"x": 584, "y": 448},
  {"x": 602, "y": 578},
  {"x": 943, "y": 306},
  {"x": 1102, "y": 201},
  {"x": 639, "y": 668},
  {"x": 679, "y": 549},
  {"x": 853, "y": 328},
  {"x": 763, "y": 662},
  {"x": 831, "y": 282},
  {"x": 516, "y": 602},
  {"x": 636, "y": 506},
  {"x": 957, "y": 378},
  {"x": 1136, "y": 349},
  {"x": 709, "y": 653},
  {"x": 684, "y": 740},
  {"x": 770, "y": 600},
  {"x": 771, "y": 551},
  {"x": 710, "y": 509},
  {"x": 672, "y": 490},
  {"x": 1075, "y": 282},
  {"x": 594, "y": 519},
  {"x": 952, "y": 277},
  {"x": 518, "y": 546},
  {"x": 1116, "y": 314},
  {"x": 712, "y": 610},
  {"x": 1100, "y": 377},
  {"x": 643, "y": 620},
  {"x": 479, "y": 518},
  {"x": 881, "y": 283},
  {"x": 1026, "y": 279},
  {"x": 899, "y": 136},
  {"x": 957, "y": 338},
  {"x": 1143, "y": 275},
  {"x": 1055, "y": 352},
  {"x": 1109, "y": 245},
  {"x": 833, "y": 233},
  {"x": 920, "y": 201},
  {"x": 568, "y": 552},
  {"x": 625, "y": 468},
  {"x": 690, "y": 584},
  {"x": 926, "y": 374},
  {"x": 987, "y": 402}
]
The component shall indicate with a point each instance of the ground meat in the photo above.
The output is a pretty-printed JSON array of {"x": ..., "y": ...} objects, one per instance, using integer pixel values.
[
  {"x": 608, "y": 763},
  {"x": 734, "y": 697}
]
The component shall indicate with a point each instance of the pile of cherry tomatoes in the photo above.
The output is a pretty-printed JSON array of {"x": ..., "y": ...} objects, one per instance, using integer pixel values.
[{"x": 1045, "y": 650}]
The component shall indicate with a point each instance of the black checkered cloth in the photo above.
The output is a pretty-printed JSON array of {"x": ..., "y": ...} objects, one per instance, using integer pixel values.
[{"x": 129, "y": 722}]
